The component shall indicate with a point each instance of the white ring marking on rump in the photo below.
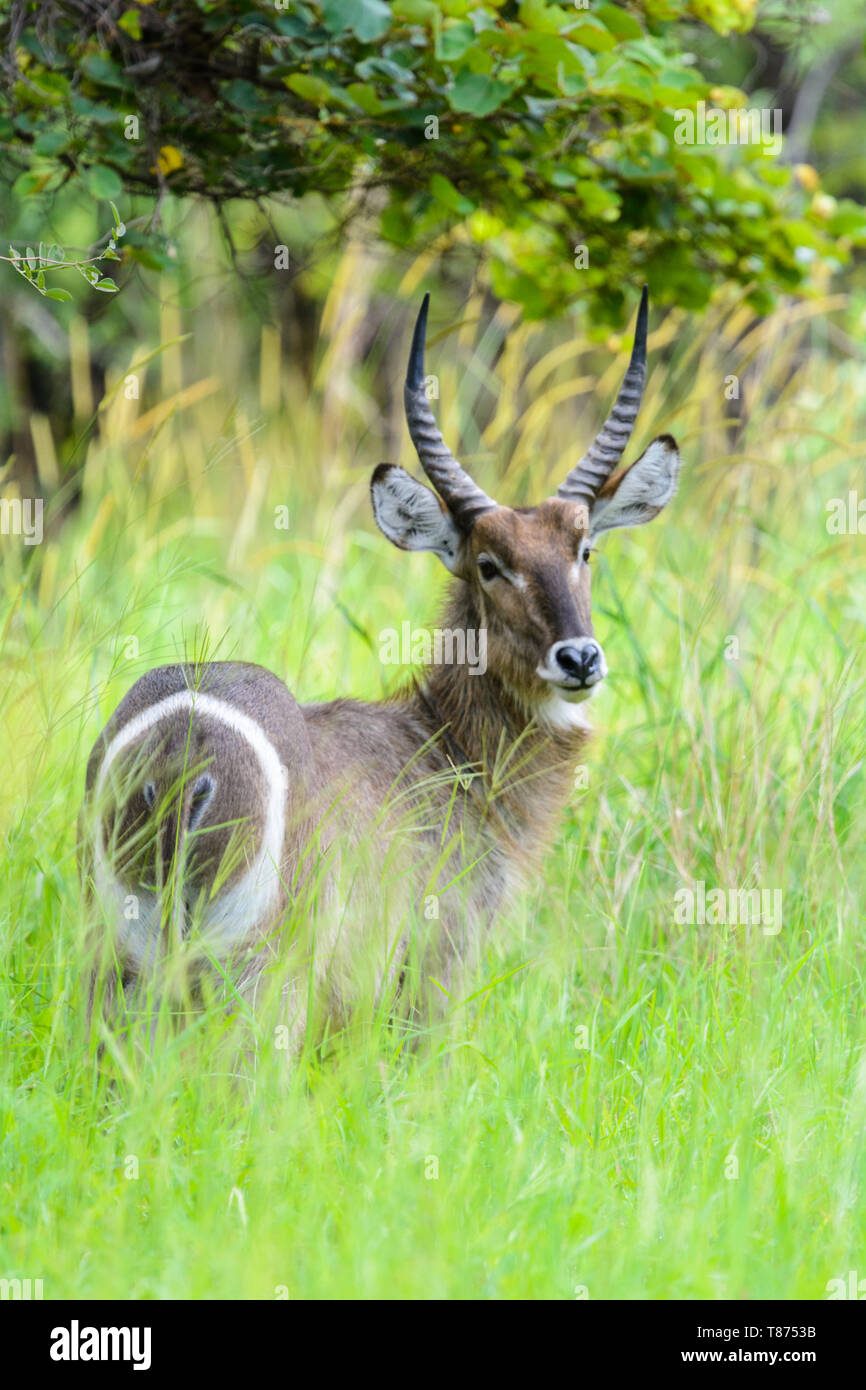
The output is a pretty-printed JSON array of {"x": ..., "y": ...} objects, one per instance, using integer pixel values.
[{"x": 257, "y": 891}]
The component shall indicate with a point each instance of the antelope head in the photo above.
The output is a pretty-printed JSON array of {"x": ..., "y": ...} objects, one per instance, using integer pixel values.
[{"x": 528, "y": 567}]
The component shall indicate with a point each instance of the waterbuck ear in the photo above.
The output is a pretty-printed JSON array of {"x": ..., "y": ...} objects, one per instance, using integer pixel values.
[
  {"x": 637, "y": 494},
  {"x": 411, "y": 516}
]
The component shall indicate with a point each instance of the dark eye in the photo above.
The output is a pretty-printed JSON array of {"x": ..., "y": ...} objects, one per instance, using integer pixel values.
[
  {"x": 587, "y": 551},
  {"x": 487, "y": 569}
]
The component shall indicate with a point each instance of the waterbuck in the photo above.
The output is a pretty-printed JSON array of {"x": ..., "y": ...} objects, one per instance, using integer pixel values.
[{"x": 347, "y": 851}]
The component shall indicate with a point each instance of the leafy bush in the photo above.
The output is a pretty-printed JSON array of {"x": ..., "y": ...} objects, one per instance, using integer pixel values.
[{"x": 544, "y": 136}]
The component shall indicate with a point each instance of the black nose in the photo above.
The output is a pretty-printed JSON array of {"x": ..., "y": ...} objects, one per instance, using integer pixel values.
[{"x": 579, "y": 663}]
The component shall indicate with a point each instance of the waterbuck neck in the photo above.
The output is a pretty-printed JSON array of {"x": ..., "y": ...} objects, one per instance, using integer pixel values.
[{"x": 502, "y": 720}]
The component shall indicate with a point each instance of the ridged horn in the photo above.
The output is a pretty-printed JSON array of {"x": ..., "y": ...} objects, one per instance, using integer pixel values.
[
  {"x": 587, "y": 477},
  {"x": 463, "y": 497}
]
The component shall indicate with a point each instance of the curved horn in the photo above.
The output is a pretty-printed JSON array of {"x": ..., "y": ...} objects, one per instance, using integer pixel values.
[
  {"x": 589, "y": 476},
  {"x": 463, "y": 497}
]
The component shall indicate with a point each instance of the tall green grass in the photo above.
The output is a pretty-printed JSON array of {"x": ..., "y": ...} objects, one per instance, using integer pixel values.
[{"x": 618, "y": 1106}]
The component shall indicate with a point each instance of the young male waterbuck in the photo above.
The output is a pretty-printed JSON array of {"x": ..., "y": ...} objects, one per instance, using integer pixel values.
[{"x": 216, "y": 804}]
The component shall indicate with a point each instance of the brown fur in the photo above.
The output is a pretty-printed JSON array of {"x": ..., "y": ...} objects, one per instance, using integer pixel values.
[
  {"x": 350, "y": 761},
  {"x": 408, "y": 822}
]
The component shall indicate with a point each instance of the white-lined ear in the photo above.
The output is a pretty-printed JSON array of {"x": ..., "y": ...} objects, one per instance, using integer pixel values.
[
  {"x": 411, "y": 516},
  {"x": 201, "y": 798},
  {"x": 637, "y": 494}
]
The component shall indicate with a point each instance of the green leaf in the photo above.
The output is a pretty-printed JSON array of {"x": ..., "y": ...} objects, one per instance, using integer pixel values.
[
  {"x": 618, "y": 21},
  {"x": 849, "y": 220},
  {"x": 102, "y": 69},
  {"x": 57, "y": 294},
  {"x": 573, "y": 84},
  {"x": 596, "y": 200},
  {"x": 477, "y": 94},
  {"x": 364, "y": 95},
  {"x": 416, "y": 11},
  {"x": 368, "y": 18},
  {"x": 51, "y": 87},
  {"x": 103, "y": 182},
  {"x": 130, "y": 23},
  {"x": 454, "y": 41},
  {"x": 51, "y": 142},
  {"x": 34, "y": 181},
  {"x": 592, "y": 35},
  {"x": 549, "y": 19},
  {"x": 385, "y": 67},
  {"x": 108, "y": 285},
  {"x": 245, "y": 96},
  {"x": 93, "y": 111},
  {"x": 444, "y": 192},
  {"x": 309, "y": 88}
]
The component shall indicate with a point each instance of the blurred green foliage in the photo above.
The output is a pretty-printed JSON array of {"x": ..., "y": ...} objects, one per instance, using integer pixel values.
[{"x": 542, "y": 135}]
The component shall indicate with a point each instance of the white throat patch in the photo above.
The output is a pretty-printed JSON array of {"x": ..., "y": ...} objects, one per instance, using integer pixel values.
[{"x": 563, "y": 716}]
